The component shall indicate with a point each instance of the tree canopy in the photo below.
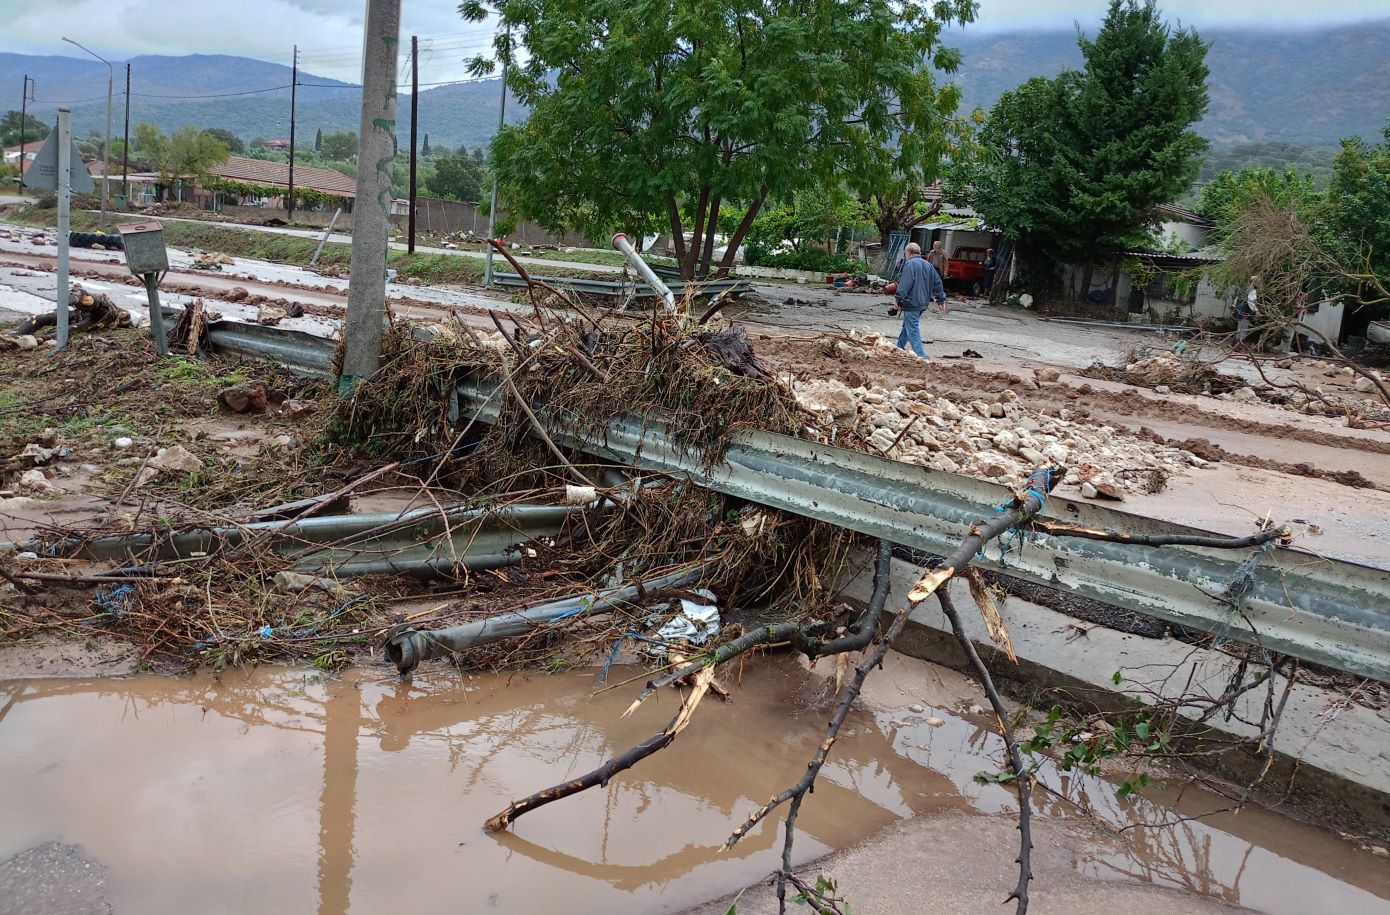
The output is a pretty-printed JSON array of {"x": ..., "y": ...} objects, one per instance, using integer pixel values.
[
  {"x": 340, "y": 146},
  {"x": 455, "y": 177},
  {"x": 647, "y": 116},
  {"x": 1073, "y": 167},
  {"x": 233, "y": 142},
  {"x": 34, "y": 129},
  {"x": 189, "y": 151}
]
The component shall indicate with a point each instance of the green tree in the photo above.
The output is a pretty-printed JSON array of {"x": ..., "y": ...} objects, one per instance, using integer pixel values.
[
  {"x": 189, "y": 152},
  {"x": 1356, "y": 211},
  {"x": 34, "y": 129},
  {"x": 318, "y": 140},
  {"x": 1072, "y": 167},
  {"x": 644, "y": 113},
  {"x": 1229, "y": 194},
  {"x": 340, "y": 146},
  {"x": 812, "y": 217},
  {"x": 455, "y": 177},
  {"x": 230, "y": 140},
  {"x": 425, "y": 147}
]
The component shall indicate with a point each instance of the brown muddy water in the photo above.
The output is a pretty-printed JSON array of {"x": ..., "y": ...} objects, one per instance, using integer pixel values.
[{"x": 284, "y": 791}]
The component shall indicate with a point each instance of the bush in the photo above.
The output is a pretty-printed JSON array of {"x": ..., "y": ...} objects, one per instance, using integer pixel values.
[{"x": 816, "y": 261}]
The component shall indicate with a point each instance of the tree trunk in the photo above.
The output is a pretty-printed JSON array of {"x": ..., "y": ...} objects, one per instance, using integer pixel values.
[
  {"x": 710, "y": 229},
  {"x": 1086, "y": 276},
  {"x": 697, "y": 237},
  {"x": 727, "y": 263},
  {"x": 677, "y": 231}
]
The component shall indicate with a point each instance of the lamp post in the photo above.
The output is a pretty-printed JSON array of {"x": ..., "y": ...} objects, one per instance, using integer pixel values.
[{"x": 106, "y": 147}]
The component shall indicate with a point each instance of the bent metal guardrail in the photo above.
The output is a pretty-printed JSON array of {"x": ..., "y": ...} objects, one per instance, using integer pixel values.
[{"x": 1323, "y": 610}]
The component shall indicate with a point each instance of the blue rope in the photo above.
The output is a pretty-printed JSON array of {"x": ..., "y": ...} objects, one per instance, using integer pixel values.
[
  {"x": 612, "y": 655},
  {"x": 113, "y": 601}
]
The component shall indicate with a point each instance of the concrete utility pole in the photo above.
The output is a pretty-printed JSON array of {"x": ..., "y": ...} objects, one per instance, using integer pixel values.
[
  {"x": 501, "y": 119},
  {"x": 294, "y": 88},
  {"x": 414, "y": 123},
  {"x": 125, "y": 144},
  {"x": 371, "y": 211},
  {"x": 106, "y": 147},
  {"x": 64, "y": 219}
]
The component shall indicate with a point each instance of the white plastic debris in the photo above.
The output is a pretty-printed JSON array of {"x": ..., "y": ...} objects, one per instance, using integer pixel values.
[
  {"x": 693, "y": 623},
  {"x": 580, "y": 495}
]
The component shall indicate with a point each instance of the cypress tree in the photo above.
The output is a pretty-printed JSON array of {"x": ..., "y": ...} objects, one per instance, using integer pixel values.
[
  {"x": 425, "y": 147},
  {"x": 318, "y": 140}
]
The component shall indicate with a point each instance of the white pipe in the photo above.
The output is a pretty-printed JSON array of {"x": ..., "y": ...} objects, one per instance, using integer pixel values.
[{"x": 622, "y": 244}]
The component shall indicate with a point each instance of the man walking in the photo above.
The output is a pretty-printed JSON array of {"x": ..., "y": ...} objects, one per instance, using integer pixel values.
[{"x": 918, "y": 285}]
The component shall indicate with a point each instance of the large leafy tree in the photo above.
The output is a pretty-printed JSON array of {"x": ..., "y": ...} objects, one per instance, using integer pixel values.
[
  {"x": 456, "y": 177},
  {"x": 188, "y": 152},
  {"x": 340, "y": 146},
  {"x": 233, "y": 142},
  {"x": 34, "y": 129},
  {"x": 1357, "y": 205},
  {"x": 672, "y": 114},
  {"x": 1073, "y": 166}
]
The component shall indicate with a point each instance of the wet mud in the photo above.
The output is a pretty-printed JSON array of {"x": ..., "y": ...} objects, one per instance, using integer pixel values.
[{"x": 279, "y": 790}]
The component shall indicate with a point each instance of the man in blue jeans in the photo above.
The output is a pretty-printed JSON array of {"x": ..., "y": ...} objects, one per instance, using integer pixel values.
[{"x": 917, "y": 287}]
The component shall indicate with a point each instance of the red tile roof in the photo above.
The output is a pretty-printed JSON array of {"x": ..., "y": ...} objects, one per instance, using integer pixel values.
[{"x": 259, "y": 171}]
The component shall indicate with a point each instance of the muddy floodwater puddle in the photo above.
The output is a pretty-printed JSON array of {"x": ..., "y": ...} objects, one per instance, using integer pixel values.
[{"x": 284, "y": 791}]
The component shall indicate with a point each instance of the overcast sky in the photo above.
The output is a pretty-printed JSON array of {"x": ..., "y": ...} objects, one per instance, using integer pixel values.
[{"x": 329, "y": 32}]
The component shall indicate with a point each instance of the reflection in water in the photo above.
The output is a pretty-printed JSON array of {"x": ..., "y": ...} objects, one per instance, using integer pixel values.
[
  {"x": 337, "y": 807},
  {"x": 184, "y": 787}
]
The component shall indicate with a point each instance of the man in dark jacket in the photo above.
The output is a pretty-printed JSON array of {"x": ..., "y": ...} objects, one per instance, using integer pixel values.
[{"x": 917, "y": 287}]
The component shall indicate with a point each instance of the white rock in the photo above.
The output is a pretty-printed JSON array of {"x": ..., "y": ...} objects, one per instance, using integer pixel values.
[
  {"x": 178, "y": 459},
  {"x": 26, "y": 555},
  {"x": 1088, "y": 491},
  {"x": 1031, "y": 455},
  {"x": 1057, "y": 454},
  {"x": 1364, "y": 384},
  {"x": 1007, "y": 441},
  {"x": 1046, "y": 374},
  {"x": 980, "y": 407},
  {"x": 916, "y": 709},
  {"x": 27, "y": 341},
  {"x": 935, "y": 722},
  {"x": 123, "y": 443},
  {"x": 1162, "y": 389},
  {"x": 34, "y": 481}
]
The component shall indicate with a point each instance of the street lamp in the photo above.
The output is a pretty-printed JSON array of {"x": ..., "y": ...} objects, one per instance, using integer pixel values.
[{"x": 106, "y": 148}]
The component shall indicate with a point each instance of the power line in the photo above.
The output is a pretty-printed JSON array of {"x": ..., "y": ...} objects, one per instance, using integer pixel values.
[{"x": 213, "y": 95}]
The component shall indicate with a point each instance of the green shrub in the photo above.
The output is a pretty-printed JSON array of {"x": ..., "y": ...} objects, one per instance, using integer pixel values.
[{"x": 818, "y": 261}]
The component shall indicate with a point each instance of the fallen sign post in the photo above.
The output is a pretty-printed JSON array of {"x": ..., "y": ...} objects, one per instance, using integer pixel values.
[{"x": 147, "y": 258}]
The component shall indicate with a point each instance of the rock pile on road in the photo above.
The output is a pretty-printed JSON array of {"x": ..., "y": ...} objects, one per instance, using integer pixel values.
[{"x": 994, "y": 438}]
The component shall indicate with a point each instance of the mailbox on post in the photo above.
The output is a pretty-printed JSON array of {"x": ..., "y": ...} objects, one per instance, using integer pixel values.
[
  {"x": 144, "y": 247},
  {"x": 147, "y": 258}
]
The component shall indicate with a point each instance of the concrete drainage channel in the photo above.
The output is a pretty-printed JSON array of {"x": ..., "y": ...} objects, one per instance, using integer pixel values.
[{"x": 1323, "y": 611}]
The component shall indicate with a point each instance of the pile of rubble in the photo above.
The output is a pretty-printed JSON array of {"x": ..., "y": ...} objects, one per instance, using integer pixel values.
[
  {"x": 995, "y": 438},
  {"x": 32, "y": 236}
]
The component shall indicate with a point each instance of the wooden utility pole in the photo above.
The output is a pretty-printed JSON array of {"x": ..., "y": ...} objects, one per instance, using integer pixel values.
[
  {"x": 371, "y": 212},
  {"x": 23, "y": 116},
  {"x": 414, "y": 124},
  {"x": 294, "y": 88}
]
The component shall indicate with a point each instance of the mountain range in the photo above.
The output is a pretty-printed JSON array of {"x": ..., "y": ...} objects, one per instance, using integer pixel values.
[{"x": 1307, "y": 87}]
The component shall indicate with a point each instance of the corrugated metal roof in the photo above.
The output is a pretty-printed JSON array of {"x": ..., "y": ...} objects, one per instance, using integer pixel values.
[{"x": 259, "y": 171}]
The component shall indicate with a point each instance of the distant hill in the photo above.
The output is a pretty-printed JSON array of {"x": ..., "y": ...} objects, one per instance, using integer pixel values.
[
  {"x": 1304, "y": 87},
  {"x": 256, "y": 102},
  {"x": 1307, "y": 87}
]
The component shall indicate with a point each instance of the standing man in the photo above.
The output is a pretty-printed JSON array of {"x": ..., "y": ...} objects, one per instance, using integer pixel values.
[
  {"x": 1246, "y": 310},
  {"x": 918, "y": 285},
  {"x": 987, "y": 272},
  {"x": 942, "y": 262}
]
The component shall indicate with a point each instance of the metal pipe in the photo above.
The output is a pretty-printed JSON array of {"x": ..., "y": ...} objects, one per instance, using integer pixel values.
[
  {"x": 314, "y": 261},
  {"x": 407, "y": 647},
  {"x": 622, "y": 244},
  {"x": 418, "y": 540}
]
